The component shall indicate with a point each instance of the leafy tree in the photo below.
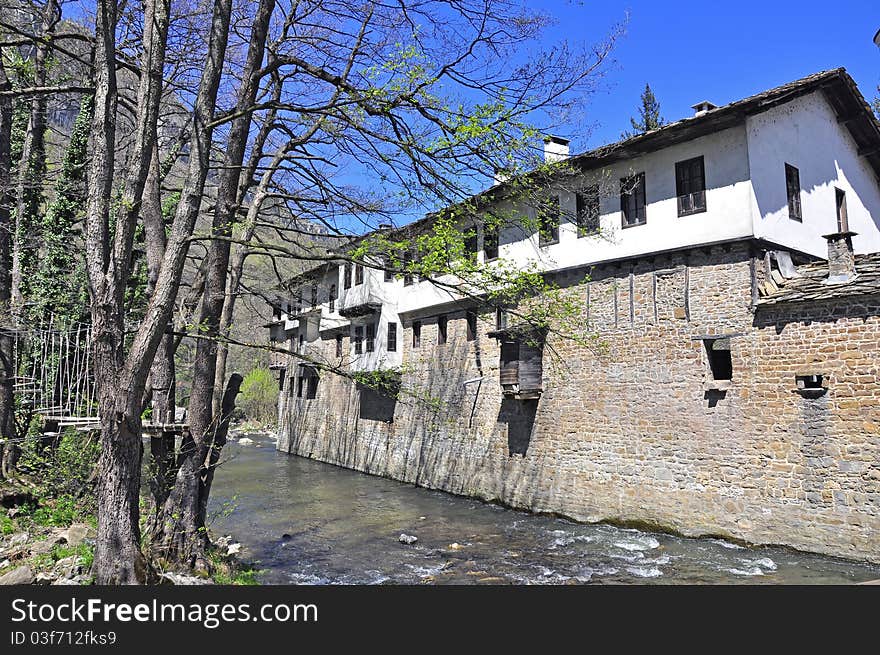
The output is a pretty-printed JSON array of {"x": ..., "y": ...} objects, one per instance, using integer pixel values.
[
  {"x": 649, "y": 115},
  {"x": 259, "y": 395}
]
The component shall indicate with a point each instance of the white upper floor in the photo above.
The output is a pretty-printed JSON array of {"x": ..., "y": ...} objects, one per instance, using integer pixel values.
[{"x": 787, "y": 166}]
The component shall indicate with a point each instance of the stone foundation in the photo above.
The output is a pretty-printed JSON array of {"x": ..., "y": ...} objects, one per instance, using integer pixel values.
[{"x": 634, "y": 428}]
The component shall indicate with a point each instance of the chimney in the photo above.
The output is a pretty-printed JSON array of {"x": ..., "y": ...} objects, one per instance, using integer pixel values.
[
  {"x": 501, "y": 175},
  {"x": 555, "y": 148},
  {"x": 841, "y": 260},
  {"x": 703, "y": 107}
]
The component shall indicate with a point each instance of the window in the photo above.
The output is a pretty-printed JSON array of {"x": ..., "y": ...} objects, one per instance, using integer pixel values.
[
  {"x": 587, "y": 217},
  {"x": 358, "y": 274},
  {"x": 441, "y": 329},
  {"x": 470, "y": 246},
  {"x": 690, "y": 186},
  {"x": 548, "y": 222},
  {"x": 307, "y": 383},
  {"x": 720, "y": 364},
  {"x": 371, "y": 337},
  {"x": 490, "y": 242},
  {"x": 407, "y": 267},
  {"x": 471, "y": 326},
  {"x": 392, "y": 337},
  {"x": 339, "y": 345},
  {"x": 793, "y": 189},
  {"x": 314, "y": 296},
  {"x": 389, "y": 274},
  {"x": 813, "y": 381},
  {"x": 358, "y": 339},
  {"x": 632, "y": 200},
  {"x": 417, "y": 334},
  {"x": 301, "y": 346},
  {"x": 298, "y": 303},
  {"x": 346, "y": 277},
  {"x": 842, "y": 220},
  {"x": 332, "y": 297},
  {"x": 500, "y": 318}
]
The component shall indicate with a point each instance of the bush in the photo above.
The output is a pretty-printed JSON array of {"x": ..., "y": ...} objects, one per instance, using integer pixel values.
[
  {"x": 62, "y": 474},
  {"x": 259, "y": 395}
]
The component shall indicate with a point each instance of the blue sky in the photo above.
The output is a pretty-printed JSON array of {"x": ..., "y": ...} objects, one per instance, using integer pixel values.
[{"x": 690, "y": 51}]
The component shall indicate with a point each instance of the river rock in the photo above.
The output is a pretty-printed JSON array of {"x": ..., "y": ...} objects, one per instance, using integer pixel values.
[
  {"x": 45, "y": 578},
  {"x": 67, "y": 567},
  {"x": 183, "y": 580},
  {"x": 75, "y": 534},
  {"x": 233, "y": 549},
  {"x": 246, "y": 441},
  {"x": 18, "y": 539},
  {"x": 407, "y": 539},
  {"x": 19, "y": 575}
]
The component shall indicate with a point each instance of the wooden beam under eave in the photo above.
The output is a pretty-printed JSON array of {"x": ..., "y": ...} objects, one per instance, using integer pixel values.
[{"x": 867, "y": 152}]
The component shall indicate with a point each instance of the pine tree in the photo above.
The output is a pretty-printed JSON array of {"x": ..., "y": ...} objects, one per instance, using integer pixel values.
[{"x": 649, "y": 115}]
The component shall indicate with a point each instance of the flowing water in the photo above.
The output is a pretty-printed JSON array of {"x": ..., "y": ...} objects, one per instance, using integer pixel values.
[{"x": 306, "y": 522}]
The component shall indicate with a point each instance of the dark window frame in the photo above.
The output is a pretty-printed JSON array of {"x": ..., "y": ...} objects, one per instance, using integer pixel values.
[
  {"x": 840, "y": 206},
  {"x": 442, "y": 329},
  {"x": 491, "y": 241},
  {"x": 407, "y": 269},
  {"x": 588, "y": 211},
  {"x": 358, "y": 274},
  {"x": 370, "y": 337},
  {"x": 339, "y": 343},
  {"x": 633, "y": 186},
  {"x": 332, "y": 298},
  {"x": 314, "y": 296},
  {"x": 389, "y": 274},
  {"x": 346, "y": 276},
  {"x": 471, "y": 320},
  {"x": 690, "y": 186},
  {"x": 470, "y": 245},
  {"x": 793, "y": 193},
  {"x": 311, "y": 386},
  {"x": 549, "y": 219},
  {"x": 358, "y": 339},
  {"x": 719, "y": 360},
  {"x": 416, "y": 334},
  {"x": 392, "y": 337}
]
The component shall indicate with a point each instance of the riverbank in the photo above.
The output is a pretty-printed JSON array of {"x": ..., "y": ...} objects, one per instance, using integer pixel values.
[{"x": 51, "y": 541}]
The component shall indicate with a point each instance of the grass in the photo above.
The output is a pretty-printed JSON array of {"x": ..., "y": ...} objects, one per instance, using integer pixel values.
[{"x": 7, "y": 525}]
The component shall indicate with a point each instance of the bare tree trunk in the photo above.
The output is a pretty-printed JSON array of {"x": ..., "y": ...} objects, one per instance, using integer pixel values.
[
  {"x": 219, "y": 441},
  {"x": 162, "y": 374},
  {"x": 7, "y": 355},
  {"x": 185, "y": 537}
]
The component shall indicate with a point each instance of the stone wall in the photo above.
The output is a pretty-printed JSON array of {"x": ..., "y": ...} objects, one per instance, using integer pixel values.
[{"x": 633, "y": 428}]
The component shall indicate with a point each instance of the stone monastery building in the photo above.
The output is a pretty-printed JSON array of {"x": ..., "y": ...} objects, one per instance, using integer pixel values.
[{"x": 735, "y": 293}]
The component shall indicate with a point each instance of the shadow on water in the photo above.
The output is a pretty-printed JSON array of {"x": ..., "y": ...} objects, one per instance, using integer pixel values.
[{"x": 342, "y": 527}]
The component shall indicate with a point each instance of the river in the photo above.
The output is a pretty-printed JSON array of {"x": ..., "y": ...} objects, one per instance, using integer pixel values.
[{"x": 306, "y": 522}]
